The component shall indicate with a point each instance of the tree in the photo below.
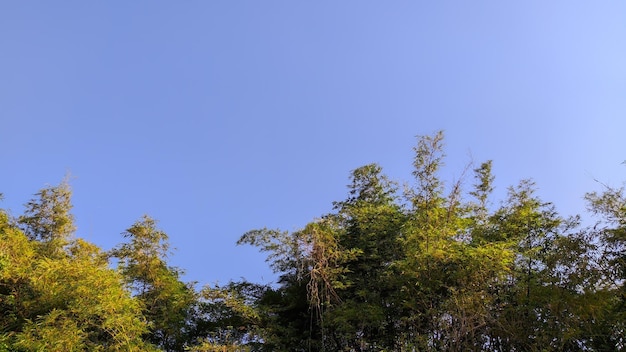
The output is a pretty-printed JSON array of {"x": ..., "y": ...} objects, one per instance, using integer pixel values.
[
  {"x": 48, "y": 220},
  {"x": 371, "y": 226},
  {"x": 230, "y": 318},
  {"x": 433, "y": 252},
  {"x": 166, "y": 301},
  {"x": 610, "y": 206},
  {"x": 482, "y": 191},
  {"x": 290, "y": 321},
  {"x": 431, "y": 269},
  {"x": 63, "y": 303},
  {"x": 48, "y": 216}
]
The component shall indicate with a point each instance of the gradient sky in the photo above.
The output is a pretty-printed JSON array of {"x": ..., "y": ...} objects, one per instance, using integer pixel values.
[{"x": 218, "y": 117}]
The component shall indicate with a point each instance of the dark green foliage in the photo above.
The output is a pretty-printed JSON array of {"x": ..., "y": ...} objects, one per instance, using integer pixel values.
[{"x": 430, "y": 271}]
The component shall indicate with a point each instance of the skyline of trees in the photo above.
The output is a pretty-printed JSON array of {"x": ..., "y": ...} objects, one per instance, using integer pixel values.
[{"x": 427, "y": 267}]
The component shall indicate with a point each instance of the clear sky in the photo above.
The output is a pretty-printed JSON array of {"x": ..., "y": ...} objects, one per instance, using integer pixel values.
[{"x": 218, "y": 117}]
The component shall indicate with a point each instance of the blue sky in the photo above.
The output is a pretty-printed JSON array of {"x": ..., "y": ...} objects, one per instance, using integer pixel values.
[{"x": 218, "y": 117}]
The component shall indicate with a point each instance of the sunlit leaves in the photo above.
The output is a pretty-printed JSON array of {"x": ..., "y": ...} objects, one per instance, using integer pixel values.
[
  {"x": 48, "y": 216},
  {"x": 433, "y": 268},
  {"x": 165, "y": 300},
  {"x": 68, "y": 303}
]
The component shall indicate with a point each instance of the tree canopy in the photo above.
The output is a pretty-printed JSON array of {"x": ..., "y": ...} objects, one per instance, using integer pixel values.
[{"x": 428, "y": 267}]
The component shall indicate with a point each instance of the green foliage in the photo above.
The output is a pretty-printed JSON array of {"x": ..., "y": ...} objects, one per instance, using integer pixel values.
[
  {"x": 68, "y": 303},
  {"x": 165, "y": 300},
  {"x": 48, "y": 217},
  {"x": 482, "y": 190},
  {"x": 430, "y": 269},
  {"x": 437, "y": 272},
  {"x": 229, "y": 318},
  {"x": 285, "y": 253},
  {"x": 610, "y": 206}
]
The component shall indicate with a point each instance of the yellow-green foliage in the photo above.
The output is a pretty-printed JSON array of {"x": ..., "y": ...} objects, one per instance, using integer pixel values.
[{"x": 68, "y": 302}]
